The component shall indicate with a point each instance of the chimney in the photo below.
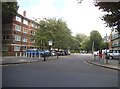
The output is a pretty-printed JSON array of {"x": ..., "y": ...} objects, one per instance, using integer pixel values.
[{"x": 24, "y": 13}]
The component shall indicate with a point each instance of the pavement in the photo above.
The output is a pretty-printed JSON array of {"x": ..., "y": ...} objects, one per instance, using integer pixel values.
[
  {"x": 19, "y": 60},
  {"x": 112, "y": 64}
]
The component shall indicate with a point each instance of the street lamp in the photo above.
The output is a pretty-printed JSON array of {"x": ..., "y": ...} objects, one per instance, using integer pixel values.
[
  {"x": 106, "y": 54},
  {"x": 50, "y": 46}
]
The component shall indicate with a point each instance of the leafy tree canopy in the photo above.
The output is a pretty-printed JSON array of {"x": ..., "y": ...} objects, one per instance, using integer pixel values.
[
  {"x": 55, "y": 30},
  {"x": 9, "y": 10},
  {"x": 95, "y": 37},
  {"x": 112, "y": 18}
]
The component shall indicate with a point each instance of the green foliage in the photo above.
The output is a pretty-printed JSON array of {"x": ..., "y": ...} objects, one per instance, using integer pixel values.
[
  {"x": 55, "y": 30},
  {"x": 112, "y": 18},
  {"x": 9, "y": 10},
  {"x": 96, "y": 38},
  {"x": 103, "y": 45},
  {"x": 80, "y": 37},
  {"x": 75, "y": 44},
  {"x": 86, "y": 45}
]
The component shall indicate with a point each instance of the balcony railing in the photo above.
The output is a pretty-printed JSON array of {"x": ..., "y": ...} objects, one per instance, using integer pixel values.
[
  {"x": 116, "y": 45},
  {"x": 115, "y": 36}
]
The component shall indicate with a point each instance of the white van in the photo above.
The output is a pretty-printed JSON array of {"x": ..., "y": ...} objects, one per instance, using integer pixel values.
[{"x": 114, "y": 54}]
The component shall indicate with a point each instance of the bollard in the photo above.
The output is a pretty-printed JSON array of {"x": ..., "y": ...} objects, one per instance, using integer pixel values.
[
  {"x": 29, "y": 54},
  {"x": 16, "y": 54},
  {"x": 26, "y": 54},
  {"x": 35, "y": 54},
  {"x": 20, "y": 54}
]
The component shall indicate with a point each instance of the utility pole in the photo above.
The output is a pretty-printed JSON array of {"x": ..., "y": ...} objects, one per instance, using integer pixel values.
[{"x": 93, "y": 51}]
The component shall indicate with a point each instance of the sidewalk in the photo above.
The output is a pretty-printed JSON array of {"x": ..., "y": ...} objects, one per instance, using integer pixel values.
[
  {"x": 19, "y": 60},
  {"x": 112, "y": 64}
]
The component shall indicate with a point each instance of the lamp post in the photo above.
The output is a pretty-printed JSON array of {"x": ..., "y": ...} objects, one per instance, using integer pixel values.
[
  {"x": 50, "y": 46},
  {"x": 106, "y": 54}
]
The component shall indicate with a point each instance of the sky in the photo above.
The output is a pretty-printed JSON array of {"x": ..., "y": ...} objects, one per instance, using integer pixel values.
[{"x": 80, "y": 18}]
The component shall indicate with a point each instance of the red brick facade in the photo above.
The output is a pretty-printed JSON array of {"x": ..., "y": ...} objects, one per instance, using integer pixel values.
[{"x": 18, "y": 35}]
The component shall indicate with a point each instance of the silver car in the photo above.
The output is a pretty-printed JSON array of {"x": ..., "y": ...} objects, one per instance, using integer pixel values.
[{"x": 114, "y": 54}]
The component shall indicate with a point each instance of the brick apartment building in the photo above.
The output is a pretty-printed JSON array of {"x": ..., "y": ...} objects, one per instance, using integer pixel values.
[
  {"x": 18, "y": 35},
  {"x": 115, "y": 40}
]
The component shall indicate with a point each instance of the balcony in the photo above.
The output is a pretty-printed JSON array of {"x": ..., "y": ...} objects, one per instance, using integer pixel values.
[
  {"x": 116, "y": 36},
  {"x": 116, "y": 45}
]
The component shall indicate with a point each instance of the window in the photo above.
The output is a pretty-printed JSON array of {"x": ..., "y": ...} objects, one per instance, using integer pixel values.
[
  {"x": 33, "y": 32},
  {"x": 25, "y": 31},
  {"x": 25, "y": 22},
  {"x": 24, "y": 39},
  {"x": 18, "y": 19},
  {"x": 32, "y": 40},
  {"x": 24, "y": 48},
  {"x": 7, "y": 27},
  {"x": 34, "y": 25},
  {"x": 18, "y": 28},
  {"x": 17, "y": 38},
  {"x": 16, "y": 48},
  {"x": 6, "y": 37},
  {"x": 5, "y": 48}
]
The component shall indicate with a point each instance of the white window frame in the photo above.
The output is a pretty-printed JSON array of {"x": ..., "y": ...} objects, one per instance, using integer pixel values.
[
  {"x": 17, "y": 38},
  {"x": 24, "y": 39},
  {"x": 25, "y": 22},
  {"x": 16, "y": 48},
  {"x": 18, "y": 19},
  {"x": 25, "y": 30},
  {"x": 18, "y": 28}
]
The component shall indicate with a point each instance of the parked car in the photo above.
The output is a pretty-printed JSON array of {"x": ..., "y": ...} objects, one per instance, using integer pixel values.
[
  {"x": 44, "y": 52},
  {"x": 53, "y": 53},
  {"x": 63, "y": 52},
  {"x": 32, "y": 52},
  {"x": 114, "y": 54},
  {"x": 37, "y": 52}
]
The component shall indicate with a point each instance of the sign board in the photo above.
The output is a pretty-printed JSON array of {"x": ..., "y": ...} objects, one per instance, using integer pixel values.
[{"x": 50, "y": 43}]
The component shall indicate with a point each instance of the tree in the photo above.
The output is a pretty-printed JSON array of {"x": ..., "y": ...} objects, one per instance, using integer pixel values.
[
  {"x": 96, "y": 38},
  {"x": 55, "y": 30},
  {"x": 9, "y": 10},
  {"x": 80, "y": 37},
  {"x": 75, "y": 44},
  {"x": 86, "y": 45},
  {"x": 103, "y": 45},
  {"x": 112, "y": 18}
]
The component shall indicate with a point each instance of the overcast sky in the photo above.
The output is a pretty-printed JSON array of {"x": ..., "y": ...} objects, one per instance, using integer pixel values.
[{"x": 80, "y": 18}]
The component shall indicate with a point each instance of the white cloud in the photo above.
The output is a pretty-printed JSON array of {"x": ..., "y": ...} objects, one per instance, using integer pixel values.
[{"x": 81, "y": 18}]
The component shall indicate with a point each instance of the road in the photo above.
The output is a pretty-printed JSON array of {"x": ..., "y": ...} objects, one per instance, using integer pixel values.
[{"x": 67, "y": 71}]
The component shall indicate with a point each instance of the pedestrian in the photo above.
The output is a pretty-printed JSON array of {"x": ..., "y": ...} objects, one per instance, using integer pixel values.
[
  {"x": 44, "y": 55},
  {"x": 104, "y": 56},
  {"x": 100, "y": 54}
]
